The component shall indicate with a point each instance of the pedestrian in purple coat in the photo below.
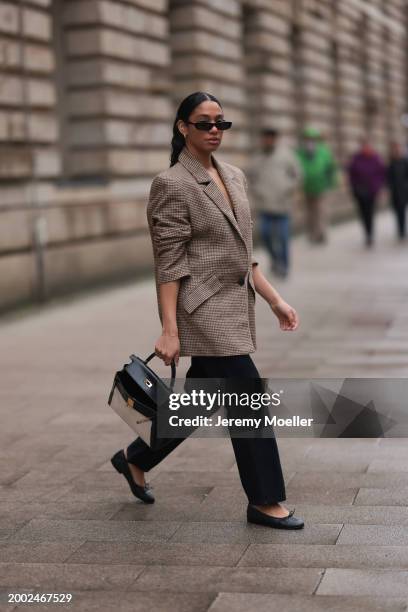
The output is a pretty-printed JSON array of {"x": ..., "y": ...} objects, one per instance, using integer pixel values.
[{"x": 367, "y": 176}]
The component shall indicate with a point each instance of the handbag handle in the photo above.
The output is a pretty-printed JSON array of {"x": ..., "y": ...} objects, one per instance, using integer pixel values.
[{"x": 172, "y": 366}]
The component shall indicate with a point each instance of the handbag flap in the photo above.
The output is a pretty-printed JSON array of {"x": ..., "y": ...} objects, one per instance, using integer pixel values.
[
  {"x": 134, "y": 396},
  {"x": 148, "y": 381}
]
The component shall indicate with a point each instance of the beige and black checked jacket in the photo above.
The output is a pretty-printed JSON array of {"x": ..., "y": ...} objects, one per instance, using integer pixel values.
[{"x": 199, "y": 239}]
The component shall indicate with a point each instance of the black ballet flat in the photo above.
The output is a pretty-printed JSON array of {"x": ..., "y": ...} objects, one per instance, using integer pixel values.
[
  {"x": 120, "y": 464},
  {"x": 261, "y": 518}
]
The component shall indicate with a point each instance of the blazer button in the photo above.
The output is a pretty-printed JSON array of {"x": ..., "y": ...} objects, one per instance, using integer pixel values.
[{"x": 241, "y": 281}]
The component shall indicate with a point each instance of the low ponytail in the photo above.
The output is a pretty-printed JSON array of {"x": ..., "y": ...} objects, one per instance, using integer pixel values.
[{"x": 177, "y": 143}]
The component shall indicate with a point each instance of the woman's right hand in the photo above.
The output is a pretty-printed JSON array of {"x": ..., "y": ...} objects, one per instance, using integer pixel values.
[{"x": 167, "y": 348}]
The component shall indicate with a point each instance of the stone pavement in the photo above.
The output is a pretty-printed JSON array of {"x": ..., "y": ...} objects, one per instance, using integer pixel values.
[{"x": 68, "y": 523}]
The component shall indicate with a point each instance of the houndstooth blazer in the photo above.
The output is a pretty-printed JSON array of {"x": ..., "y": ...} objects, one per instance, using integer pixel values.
[{"x": 197, "y": 238}]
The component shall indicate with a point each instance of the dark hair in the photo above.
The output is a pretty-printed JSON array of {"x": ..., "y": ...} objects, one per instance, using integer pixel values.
[
  {"x": 270, "y": 132},
  {"x": 183, "y": 112}
]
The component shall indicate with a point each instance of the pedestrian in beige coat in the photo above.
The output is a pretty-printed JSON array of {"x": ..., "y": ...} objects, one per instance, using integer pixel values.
[
  {"x": 274, "y": 176},
  {"x": 206, "y": 281}
]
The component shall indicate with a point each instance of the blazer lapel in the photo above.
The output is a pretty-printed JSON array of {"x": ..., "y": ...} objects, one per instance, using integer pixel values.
[{"x": 211, "y": 189}]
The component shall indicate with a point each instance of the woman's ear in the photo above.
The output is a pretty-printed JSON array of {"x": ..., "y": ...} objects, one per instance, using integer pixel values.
[{"x": 181, "y": 127}]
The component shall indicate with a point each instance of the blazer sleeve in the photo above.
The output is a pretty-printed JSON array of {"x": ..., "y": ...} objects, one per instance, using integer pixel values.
[
  {"x": 170, "y": 229},
  {"x": 254, "y": 261}
]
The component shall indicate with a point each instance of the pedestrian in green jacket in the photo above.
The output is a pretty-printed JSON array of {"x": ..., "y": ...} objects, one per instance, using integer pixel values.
[{"x": 319, "y": 176}]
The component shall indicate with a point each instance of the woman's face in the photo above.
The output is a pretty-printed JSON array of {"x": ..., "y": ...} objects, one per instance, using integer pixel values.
[{"x": 205, "y": 142}]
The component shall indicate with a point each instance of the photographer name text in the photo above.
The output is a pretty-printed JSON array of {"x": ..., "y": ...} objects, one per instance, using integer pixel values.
[{"x": 271, "y": 421}]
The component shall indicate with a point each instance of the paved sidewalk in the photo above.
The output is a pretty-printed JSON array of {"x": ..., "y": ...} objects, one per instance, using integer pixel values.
[{"x": 68, "y": 523}]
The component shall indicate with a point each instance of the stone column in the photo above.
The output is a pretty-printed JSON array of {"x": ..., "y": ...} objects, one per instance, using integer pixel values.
[
  {"x": 314, "y": 21},
  {"x": 115, "y": 101},
  {"x": 207, "y": 55},
  {"x": 271, "y": 92},
  {"x": 28, "y": 127}
]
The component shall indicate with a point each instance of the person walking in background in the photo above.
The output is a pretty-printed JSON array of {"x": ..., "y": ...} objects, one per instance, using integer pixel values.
[
  {"x": 367, "y": 174},
  {"x": 319, "y": 176},
  {"x": 397, "y": 178},
  {"x": 274, "y": 174}
]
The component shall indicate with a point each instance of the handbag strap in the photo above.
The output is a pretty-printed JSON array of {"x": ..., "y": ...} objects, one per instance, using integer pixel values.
[{"x": 172, "y": 366}]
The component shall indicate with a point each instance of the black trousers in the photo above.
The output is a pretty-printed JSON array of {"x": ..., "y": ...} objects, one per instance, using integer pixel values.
[
  {"x": 366, "y": 207},
  {"x": 257, "y": 458},
  {"x": 399, "y": 205}
]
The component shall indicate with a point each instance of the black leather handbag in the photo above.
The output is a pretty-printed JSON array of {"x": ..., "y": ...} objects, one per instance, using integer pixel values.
[{"x": 136, "y": 396}]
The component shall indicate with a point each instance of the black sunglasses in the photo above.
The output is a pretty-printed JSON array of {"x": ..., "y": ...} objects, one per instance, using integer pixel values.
[{"x": 206, "y": 126}]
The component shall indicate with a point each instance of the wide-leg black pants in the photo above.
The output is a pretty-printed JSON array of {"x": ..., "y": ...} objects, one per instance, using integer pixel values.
[{"x": 257, "y": 458}]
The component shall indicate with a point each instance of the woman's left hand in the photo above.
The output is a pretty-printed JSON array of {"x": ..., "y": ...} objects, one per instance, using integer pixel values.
[{"x": 287, "y": 316}]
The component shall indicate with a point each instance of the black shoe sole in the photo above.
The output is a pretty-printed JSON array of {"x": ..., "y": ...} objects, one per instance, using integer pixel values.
[
  {"x": 260, "y": 518},
  {"x": 121, "y": 465},
  {"x": 276, "y": 525}
]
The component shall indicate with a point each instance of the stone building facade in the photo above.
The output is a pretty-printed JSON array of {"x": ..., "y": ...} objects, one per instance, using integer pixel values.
[{"x": 88, "y": 92}]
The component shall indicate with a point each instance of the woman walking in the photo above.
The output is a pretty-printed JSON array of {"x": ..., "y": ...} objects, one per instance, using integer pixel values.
[{"x": 206, "y": 278}]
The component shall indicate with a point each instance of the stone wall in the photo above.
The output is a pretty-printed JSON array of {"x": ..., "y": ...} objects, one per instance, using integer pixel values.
[{"x": 88, "y": 92}]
